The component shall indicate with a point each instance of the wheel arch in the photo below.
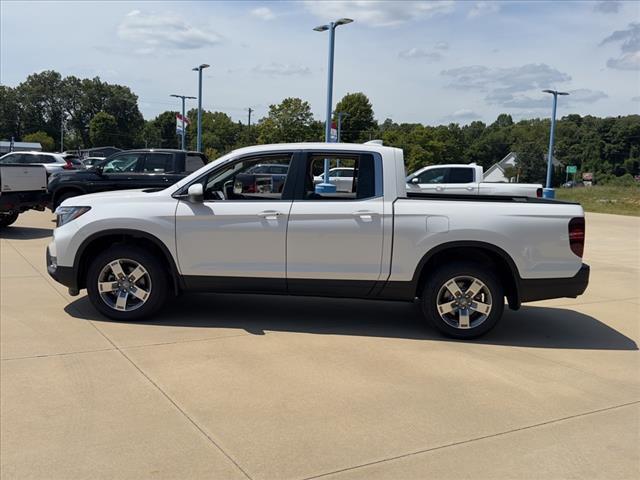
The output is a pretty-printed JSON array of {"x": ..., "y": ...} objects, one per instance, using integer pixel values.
[
  {"x": 104, "y": 239},
  {"x": 478, "y": 252},
  {"x": 61, "y": 191}
]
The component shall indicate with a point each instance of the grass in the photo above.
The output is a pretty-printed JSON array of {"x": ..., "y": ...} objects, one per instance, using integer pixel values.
[{"x": 604, "y": 199}]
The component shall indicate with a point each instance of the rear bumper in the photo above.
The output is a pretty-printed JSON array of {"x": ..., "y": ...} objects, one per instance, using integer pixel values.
[
  {"x": 64, "y": 275},
  {"x": 547, "y": 288}
]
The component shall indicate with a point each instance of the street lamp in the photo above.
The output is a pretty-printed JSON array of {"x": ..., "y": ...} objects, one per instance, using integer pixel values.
[
  {"x": 548, "y": 191},
  {"x": 183, "y": 97},
  {"x": 325, "y": 186},
  {"x": 199, "y": 69},
  {"x": 340, "y": 115}
]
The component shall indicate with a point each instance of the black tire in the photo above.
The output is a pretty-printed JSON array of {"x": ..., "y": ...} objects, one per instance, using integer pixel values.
[
  {"x": 62, "y": 197},
  {"x": 8, "y": 218},
  {"x": 493, "y": 292},
  {"x": 158, "y": 282}
]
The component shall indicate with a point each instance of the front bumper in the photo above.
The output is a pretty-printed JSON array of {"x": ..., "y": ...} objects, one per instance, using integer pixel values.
[
  {"x": 531, "y": 290},
  {"x": 64, "y": 275}
]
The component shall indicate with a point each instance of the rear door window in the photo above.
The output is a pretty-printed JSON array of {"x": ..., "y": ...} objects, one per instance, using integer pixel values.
[
  {"x": 359, "y": 185},
  {"x": 158, "y": 163},
  {"x": 460, "y": 175}
]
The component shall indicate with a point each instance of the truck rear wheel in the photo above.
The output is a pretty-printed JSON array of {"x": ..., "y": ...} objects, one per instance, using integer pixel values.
[
  {"x": 463, "y": 300},
  {"x": 8, "y": 218},
  {"x": 127, "y": 283}
]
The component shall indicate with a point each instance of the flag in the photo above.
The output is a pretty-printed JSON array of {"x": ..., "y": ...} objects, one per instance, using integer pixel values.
[{"x": 179, "y": 123}]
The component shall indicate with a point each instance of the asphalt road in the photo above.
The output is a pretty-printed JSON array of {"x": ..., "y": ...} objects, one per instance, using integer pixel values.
[{"x": 222, "y": 386}]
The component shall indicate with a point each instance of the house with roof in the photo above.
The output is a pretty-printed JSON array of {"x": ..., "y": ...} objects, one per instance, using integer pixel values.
[
  {"x": 497, "y": 171},
  {"x": 8, "y": 146}
]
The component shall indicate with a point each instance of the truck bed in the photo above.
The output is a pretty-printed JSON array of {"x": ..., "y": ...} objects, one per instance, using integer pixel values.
[{"x": 411, "y": 195}]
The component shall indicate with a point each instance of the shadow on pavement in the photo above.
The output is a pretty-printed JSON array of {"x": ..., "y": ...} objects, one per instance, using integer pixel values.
[
  {"x": 25, "y": 233},
  {"x": 538, "y": 327}
]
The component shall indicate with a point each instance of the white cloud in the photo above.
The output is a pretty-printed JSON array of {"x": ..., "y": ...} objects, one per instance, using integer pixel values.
[
  {"x": 629, "y": 41},
  {"x": 153, "y": 33},
  {"x": 442, "y": 46},
  {"x": 635, "y": 99},
  {"x": 417, "y": 52},
  {"x": 607, "y": 6},
  {"x": 483, "y": 8},
  {"x": 465, "y": 114},
  {"x": 378, "y": 13},
  {"x": 264, "y": 13},
  {"x": 279, "y": 69},
  {"x": 514, "y": 87}
]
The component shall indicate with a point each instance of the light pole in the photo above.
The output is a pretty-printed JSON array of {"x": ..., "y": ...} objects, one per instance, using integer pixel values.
[
  {"x": 184, "y": 133},
  {"x": 548, "y": 191},
  {"x": 325, "y": 186},
  {"x": 340, "y": 115},
  {"x": 199, "y": 69}
]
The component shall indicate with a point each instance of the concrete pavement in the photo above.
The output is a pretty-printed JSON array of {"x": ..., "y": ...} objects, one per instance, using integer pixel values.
[{"x": 223, "y": 386}]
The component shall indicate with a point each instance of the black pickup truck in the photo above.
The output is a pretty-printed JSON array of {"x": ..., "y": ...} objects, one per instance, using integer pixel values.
[{"x": 148, "y": 168}]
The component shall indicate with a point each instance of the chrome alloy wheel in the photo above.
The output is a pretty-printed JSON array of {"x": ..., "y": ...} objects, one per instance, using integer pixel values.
[
  {"x": 124, "y": 285},
  {"x": 464, "y": 302}
]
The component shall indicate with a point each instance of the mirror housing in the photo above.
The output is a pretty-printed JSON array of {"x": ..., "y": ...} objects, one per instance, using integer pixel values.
[
  {"x": 98, "y": 169},
  {"x": 195, "y": 193},
  {"x": 415, "y": 180}
]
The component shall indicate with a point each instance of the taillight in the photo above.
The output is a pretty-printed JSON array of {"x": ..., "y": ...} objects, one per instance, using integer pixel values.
[
  {"x": 68, "y": 166},
  {"x": 539, "y": 192},
  {"x": 576, "y": 235}
]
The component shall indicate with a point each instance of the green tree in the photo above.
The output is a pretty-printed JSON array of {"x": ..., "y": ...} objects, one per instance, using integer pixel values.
[
  {"x": 165, "y": 123},
  {"x": 359, "y": 121},
  {"x": 150, "y": 136},
  {"x": 45, "y": 140},
  {"x": 103, "y": 130},
  {"x": 9, "y": 113},
  {"x": 289, "y": 121}
]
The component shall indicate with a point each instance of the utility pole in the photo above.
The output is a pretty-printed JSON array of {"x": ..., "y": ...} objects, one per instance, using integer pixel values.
[
  {"x": 249, "y": 121},
  {"x": 184, "y": 131},
  {"x": 548, "y": 191},
  {"x": 326, "y": 186},
  {"x": 340, "y": 115},
  {"x": 199, "y": 69},
  {"x": 61, "y": 133}
]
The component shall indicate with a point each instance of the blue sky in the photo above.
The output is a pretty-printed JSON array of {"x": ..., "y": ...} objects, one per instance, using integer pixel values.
[{"x": 428, "y": 62}]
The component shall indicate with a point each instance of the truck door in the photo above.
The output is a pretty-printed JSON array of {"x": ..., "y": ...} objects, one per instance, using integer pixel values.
[
  {"x": 460, "y": 181},
  {"x": 335, "y": 240},
  {"x": 236, "y": 239}
]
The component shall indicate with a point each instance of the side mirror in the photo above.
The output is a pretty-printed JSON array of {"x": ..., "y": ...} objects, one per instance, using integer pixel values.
[
  {"x": 98, "y": 169},
  {"x": 415, "y": 180},
  {"x": 195, "y": 193}
]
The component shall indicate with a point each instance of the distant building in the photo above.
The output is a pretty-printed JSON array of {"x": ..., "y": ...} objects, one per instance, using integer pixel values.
[
  {"x": 496, "y": 173},
  {"x": 5, "y": 147}
]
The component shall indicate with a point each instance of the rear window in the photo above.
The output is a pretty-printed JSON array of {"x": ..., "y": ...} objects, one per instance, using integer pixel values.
[
  {"x": 460, "y": 175},
  {"x": 193, "y": 162},
  {"x": 40, "y": 158}
]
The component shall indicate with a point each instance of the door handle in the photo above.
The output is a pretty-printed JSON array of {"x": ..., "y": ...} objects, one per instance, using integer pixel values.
[
  {"x": 365, "y": 215},
  {"x": 439, "y": 189},
  {"x": 269, "y": 215},
  {"x": 470, "y": 188}
]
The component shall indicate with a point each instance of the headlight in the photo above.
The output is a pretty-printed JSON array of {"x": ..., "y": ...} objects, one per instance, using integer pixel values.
[{"x": 65, "y": 214}]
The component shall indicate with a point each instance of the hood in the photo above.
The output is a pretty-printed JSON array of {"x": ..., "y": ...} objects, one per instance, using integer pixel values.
[{"x": 123, "y": 195}]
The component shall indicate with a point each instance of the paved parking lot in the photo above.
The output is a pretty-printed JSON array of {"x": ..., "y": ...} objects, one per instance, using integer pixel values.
[{"x": 223, "y": 386}]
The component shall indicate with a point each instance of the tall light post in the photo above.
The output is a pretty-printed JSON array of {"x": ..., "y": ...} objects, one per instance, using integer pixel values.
[
  {"x": 184, "y": 132},
  {"x": 199, "y": 69},
  {"x": 325, "y": 186},
  {"x": 340, "y": 116},
  {"x": 548, "y": 192}
]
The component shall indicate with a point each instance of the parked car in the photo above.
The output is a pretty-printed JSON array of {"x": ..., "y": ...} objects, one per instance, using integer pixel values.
[
  {"x": 465, "y": 180},
  {"x": 459, "y": 256},
  {"x": 341, "y": 177},
  {"x": 262, "y": 178},
  {"x": 22, "y": 187},
  {"x": 53, "y": 162},
  {"x": 90, "y": 162},
  {"x": 147, "y": 168}
]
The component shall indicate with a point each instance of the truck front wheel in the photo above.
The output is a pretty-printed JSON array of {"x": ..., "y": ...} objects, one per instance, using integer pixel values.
[
  {"x": 463, "y": 300},
  {"x": 8, "y": 218},
  {"x": 127, "y": 283}
]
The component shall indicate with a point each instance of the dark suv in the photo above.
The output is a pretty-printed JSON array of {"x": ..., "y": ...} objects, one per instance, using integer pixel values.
[{"x": 148, "y": 168}]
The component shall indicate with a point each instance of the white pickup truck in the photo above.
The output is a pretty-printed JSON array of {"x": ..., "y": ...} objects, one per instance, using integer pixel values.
[
  {"x": 466, "y": 180},
  {"x": 459, "y": 256}
]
